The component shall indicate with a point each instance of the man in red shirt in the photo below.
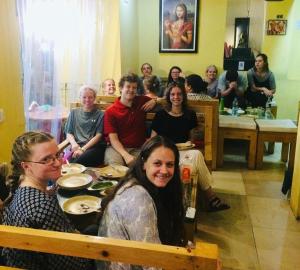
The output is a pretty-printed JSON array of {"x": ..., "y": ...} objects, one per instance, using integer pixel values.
[{"x": 124, "y": 123}]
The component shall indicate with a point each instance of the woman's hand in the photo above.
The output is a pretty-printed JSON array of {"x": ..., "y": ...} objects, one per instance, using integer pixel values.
[
  {"x": 128, "y": 159},
  {"x": 74, "y": 147},
  {"x": 77, "y": 152},
  {"x": 267, "y": 92}
]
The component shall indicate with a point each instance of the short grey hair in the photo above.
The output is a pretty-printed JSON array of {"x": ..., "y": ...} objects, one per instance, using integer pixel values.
[{"x": 87, "y": 87}]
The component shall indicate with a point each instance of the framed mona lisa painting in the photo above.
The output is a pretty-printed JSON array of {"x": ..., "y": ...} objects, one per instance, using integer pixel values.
[{"x": 178, "y": 22}]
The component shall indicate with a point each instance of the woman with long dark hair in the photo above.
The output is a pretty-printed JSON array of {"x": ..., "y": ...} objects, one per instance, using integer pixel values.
[
  {"x": 147, "y": 204},
  {"x": 261, "y": 82},
  {"x": 175, "y": 75},
  {"x": 177, "y": 123}
]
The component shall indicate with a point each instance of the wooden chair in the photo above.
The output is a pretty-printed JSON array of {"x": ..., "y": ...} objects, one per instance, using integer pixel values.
[{"x": 203, "y": 256}]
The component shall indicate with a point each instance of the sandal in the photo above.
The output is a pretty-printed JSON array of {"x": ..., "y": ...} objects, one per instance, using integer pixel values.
[{"x": 215, "y": 204}]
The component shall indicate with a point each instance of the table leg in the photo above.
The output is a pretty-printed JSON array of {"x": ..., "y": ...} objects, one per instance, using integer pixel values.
[
  {"x": 220, "y": 153},
  {"x": 252, "y": 152},
  {"x": 284, "y": 152},
  {"x": 259, "y": 152},
  {"x": 292, "y": 155},
  {"x": 271, "y": 146}
]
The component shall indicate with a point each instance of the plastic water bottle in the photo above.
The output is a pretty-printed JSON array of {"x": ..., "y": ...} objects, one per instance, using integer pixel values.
[
  {"x": 235, "y": 107},
  {"x": 268, "y": 113}
]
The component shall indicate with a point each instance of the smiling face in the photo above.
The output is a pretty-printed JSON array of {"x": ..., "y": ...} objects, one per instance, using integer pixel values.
[
  {"x": 109, "y": 87},
  {"x": 160, "y": 166},
  {"x": 128, "y": 91},
  {"x": 176, "y": 96},
  {"x": 42, "y": 172},
  {"x": 211, "y": 73},
  {"x": 146, "y": 70},
  {"x": 87, "y": 98}
]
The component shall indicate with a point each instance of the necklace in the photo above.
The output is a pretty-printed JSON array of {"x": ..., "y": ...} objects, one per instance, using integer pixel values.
[{"x": 175, "y": 113}]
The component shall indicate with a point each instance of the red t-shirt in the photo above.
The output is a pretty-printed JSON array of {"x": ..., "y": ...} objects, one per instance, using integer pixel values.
[{"x": 127, "y": 122}]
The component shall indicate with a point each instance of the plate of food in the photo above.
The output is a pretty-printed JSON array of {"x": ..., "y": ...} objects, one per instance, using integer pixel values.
[
  {"x": 185, "y": 146},
  {"x": 80, "y": 205},
  {"x": 239, "y": 111},
  {"x": 72, "y": 168},
  {"x": 74, "y": 181},
  {"x": 112, "y": 171},
  {"x": 102, "y": 185}
]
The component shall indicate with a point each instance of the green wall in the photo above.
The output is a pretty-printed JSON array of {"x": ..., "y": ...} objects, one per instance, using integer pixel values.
[
  {"x": 284, "y": 57},
  {"x": 144, "y": 43},
  {"x": 140, "y": 40}
]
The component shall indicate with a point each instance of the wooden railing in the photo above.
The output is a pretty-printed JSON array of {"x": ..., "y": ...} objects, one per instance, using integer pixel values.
[
  {"x": 209, "y": 121},
  {"x": 203, "y": 256}
]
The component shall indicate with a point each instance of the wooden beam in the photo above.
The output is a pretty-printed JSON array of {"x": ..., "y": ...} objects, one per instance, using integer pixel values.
[{"x": 204, "y": 256}]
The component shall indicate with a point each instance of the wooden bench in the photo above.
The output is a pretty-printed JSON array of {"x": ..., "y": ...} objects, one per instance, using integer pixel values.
[
  {"x": 207, "y": 115},
  {"x": 203, "y": 256}
]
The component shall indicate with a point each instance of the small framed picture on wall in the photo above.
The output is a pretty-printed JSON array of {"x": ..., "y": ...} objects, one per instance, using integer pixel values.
[
  {"x": 276, "y": 27},
  {"x": 178, "y": 26}
]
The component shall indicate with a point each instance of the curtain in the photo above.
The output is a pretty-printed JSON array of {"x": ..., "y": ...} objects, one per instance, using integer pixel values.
[{"x": 61, "y": 44}]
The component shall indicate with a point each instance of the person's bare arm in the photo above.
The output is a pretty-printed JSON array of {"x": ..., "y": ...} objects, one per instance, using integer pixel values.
[
  {"x": 118, "y": 146},
  {"x": 74, "y": 145},
  {"x": 88, "y": 145},
  {"x": 231, "y": 87}
]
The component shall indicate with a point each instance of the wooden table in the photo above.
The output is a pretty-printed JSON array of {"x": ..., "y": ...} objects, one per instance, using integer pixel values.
[
  {"x": 233, "y": 127},
  {"x": 277, "y": 130},
  {"x": 82, "y": 221}
]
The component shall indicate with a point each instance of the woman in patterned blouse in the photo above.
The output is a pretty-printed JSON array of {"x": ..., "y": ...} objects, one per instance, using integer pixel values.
[
  {"x": 36, "y": 160},
  {"x": 147, "y": 204}
]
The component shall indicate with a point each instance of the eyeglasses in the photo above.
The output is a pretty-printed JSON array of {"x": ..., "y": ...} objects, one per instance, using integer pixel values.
[
  {"x": 175, "y": 72},
  {"x": 49, "y": 160}
]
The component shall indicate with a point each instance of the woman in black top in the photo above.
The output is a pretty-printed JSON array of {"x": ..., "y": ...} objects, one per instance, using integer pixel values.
[{"x": 177, "y": 123}]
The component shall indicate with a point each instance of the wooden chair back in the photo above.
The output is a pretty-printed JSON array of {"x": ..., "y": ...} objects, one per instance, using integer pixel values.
[
  {"x": 210, "y": 122},
  {"x": 204, "y": 256}
]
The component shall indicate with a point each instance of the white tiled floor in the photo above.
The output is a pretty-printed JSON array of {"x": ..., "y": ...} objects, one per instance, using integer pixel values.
[{"x": 259, "y": 231}]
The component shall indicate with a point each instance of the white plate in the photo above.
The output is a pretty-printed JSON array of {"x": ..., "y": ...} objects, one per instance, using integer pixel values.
[
  {"x": 102, "y": 185},
  {"x": 74, "y": 181},
  {"x": 80, "y": 205},
  {"x": 72, "y": 168},
  {"x": 112, "y": 171}
]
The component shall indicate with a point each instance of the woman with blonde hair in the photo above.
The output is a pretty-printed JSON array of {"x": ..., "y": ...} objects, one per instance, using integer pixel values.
[
  {"x": 212, "y": 81},
  {"x": 36, "y": 160},
  {"x": 84, "y": 129}
]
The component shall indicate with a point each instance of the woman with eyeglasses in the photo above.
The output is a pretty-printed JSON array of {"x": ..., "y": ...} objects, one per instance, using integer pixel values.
[
  {"x": 36, "y": 160},
  {"x": 175, "y": 75}
]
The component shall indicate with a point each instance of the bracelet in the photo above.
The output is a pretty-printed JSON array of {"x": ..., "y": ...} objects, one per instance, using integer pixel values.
[{"x": 83, "y": 150}]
